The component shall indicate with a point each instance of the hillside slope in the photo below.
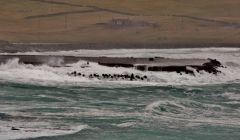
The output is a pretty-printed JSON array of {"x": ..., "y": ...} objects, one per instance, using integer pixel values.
[{"x": 121, "y": 21}]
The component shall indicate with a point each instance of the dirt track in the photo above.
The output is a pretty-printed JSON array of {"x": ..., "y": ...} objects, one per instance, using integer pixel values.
[
  {"x": 88, "y": 6},
  {"x": 223, "y": 23},
  {"x": 62, "y": 13}
]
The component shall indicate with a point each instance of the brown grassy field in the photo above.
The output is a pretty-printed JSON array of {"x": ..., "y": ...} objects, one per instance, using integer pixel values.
[{"x": 151, "y": 21}]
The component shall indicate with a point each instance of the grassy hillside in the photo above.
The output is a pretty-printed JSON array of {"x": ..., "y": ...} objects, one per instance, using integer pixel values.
[{"x": 90, "y": 21}]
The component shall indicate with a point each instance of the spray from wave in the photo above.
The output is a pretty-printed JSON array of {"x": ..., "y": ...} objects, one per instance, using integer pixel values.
[{"x": 13, "y": 71}]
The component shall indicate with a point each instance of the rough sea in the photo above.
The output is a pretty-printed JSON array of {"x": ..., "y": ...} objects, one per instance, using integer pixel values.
[{"x": 45, "y": 103}]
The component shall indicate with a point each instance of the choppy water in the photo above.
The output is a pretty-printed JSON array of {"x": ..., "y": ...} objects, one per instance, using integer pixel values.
[{"x": 45, "y": 103}]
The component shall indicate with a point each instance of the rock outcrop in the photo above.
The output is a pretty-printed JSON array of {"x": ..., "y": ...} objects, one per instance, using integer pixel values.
[{"x": 157, "y": 64}]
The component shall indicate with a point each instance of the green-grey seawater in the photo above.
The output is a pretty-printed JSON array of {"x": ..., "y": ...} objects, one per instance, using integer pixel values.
[
  {"x": 45, "y": 103},
  {"x": 120, "y": 113}
]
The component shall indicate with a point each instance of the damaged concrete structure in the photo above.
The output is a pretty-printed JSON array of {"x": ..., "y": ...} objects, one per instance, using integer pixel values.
[{"x": 156, "y": 64}]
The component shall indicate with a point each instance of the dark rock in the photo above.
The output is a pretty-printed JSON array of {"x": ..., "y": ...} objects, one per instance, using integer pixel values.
[
  {"x": 151, "y": 59},
  {"x": 132, "y": 77},
  {"x": 141, "y": 67},
  {"x": 90, "y": 76},
  {"x": 74, "y": 73},
  {"x": 210, "y": 66},
  {"x": 116, "y": 64},
  {"x": 14, "y": 128},
  {"x": 137, "y": 76}
]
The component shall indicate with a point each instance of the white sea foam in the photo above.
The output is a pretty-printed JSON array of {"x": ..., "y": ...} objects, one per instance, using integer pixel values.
[
  {"x": 126, "y": 124},
  {"x": 14, "y": 72},
  {"x": 152, "y": 106},
  {"x": 94, "y": 113},
  {"x": 34, "y": 129},
  {"x": 232, "y": 96}
]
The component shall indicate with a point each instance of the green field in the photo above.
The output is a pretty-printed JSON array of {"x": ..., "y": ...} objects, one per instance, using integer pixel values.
[{"x": 90, "y": 21}]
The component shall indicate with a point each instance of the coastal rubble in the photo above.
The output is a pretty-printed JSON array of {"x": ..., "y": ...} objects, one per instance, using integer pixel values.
[
  {"x": 154, "y": 64},
  {"x": 105, "y": 76}
]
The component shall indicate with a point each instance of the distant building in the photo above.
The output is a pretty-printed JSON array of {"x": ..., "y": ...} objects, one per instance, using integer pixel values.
[{"x": 121, "y": 22}]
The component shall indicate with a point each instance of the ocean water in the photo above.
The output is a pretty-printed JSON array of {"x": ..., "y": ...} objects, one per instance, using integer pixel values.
[{"x": 45, "y": 103}]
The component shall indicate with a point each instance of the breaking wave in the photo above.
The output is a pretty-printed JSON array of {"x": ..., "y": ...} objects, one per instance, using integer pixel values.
[{"x": 13, "y": 71}]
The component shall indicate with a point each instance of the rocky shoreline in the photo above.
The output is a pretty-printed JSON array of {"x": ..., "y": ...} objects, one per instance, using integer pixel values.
[{"x": 156, "y": 64}]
